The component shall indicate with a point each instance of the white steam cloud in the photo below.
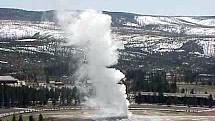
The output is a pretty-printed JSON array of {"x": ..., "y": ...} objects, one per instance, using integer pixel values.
[{"x": 91, "y": 31}]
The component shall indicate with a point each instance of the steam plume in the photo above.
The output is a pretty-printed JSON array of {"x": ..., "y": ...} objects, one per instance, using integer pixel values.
[{"x": 91, "y": 31}]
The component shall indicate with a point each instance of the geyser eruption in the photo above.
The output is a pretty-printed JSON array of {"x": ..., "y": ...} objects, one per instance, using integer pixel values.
[{"x": 91, "y": 31}]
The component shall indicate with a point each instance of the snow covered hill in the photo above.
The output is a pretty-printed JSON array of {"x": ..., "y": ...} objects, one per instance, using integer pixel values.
[
  {"x": 150, "y": 41},
  {"x": 201, "y": 26}
]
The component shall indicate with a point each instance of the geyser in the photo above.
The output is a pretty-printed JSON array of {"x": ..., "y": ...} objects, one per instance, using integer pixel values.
[{"x": 91, "y": 31}]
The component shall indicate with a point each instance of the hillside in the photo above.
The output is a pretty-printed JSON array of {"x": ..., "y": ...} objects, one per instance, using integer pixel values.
[
  {"x": 23, "y": 15},
  {"x": 32, "y": 39}
]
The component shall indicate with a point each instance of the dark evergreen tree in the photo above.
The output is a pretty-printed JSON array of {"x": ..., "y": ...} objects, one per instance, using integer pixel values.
[
  {"x": 173, "y": 87},
  {"x": 40, "y": 117},
  {"x": 169, "y": 101},
  {"x": 20, "y": 118},
  {"x": 160, "y": 97},
  {"x": 42, "y": 96},
  {"x": 183, "y": 90},
  {"x": 63, "y": 96},
  {"x": 14, "y": 117},
  {"x": 56, "y": 96},
  {"x": 52, "y": 96},
  {"x": 138, "y": 98},
  {"x": 69, "y": 96},
  {"x": 210, "y": 101},
  {"x": 1, "y": 96},
  {"x": 192, "y": 91},
  {"x": 189, "y": 76},
  {"x": 74, "y": 92},
  {"x": 31, "y": 118},
  {"x": 6, "y": 96}
]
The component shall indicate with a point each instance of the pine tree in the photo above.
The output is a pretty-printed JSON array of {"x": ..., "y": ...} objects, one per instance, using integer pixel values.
[
  {"x": 40, "y": 117},
  {"x": 31, "y": 118},
  {"x": 210, "y": 101},
  {"x": 14, "y": 117},
  {"x": 160, "y": 97},
  {"x": 1, "y": 96},
  {"x": 20, "y": 118}
]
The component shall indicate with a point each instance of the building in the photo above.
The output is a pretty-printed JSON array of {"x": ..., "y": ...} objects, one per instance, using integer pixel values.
[
  {"x": 172, "y": 94},
  {"x": 205, "y": 79},
  {"x": 174, "y": 77},
  {"x": 56, "y": 84},
  {"x": 8, "y": 80}
]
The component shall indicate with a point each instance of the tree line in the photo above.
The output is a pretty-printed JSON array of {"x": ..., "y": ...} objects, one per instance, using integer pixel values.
[
  {"x": 27, "y": 96},
  {"x": 30, "y": 118},
  {"x": 173, "y": 100},
  {"x": 154, "y": 81}
]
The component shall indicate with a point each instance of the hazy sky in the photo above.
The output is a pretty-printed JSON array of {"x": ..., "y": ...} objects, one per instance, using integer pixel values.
[{"x": 155, "y": 7}]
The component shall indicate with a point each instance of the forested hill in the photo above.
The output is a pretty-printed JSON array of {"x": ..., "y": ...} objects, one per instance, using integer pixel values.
[
  {"x": 23, "y": 15},
  {"x": 150, "y": 42}
]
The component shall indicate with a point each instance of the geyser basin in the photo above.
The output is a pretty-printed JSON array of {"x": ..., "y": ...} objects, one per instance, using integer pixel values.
[{"x": 91, "y": 31}]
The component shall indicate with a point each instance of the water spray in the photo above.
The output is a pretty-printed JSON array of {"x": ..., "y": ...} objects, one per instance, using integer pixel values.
[{"x": 90, "y": 30}]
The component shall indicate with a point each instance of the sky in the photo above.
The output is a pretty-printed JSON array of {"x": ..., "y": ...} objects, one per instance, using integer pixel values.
[{"x": 146, "y": 7}]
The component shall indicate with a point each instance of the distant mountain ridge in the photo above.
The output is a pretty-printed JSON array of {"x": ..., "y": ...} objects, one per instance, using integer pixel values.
[{"x": 24, "y": 15}]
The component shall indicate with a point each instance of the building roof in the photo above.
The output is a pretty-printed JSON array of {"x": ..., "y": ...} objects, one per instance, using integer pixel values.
[
  {"x": 59, "y": 83},
  {"x": 3, "y": 62},
  {"x": 8, "y": 79},
  {"x": 207, "y": 75}
]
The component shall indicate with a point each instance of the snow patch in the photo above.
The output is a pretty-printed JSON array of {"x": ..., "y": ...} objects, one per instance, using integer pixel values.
[{"x": 208, "y": 48}]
